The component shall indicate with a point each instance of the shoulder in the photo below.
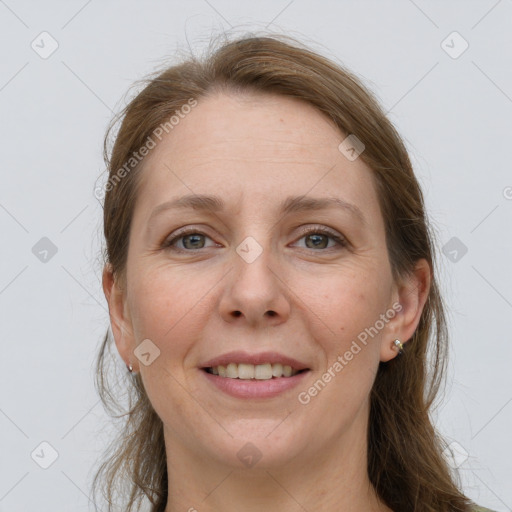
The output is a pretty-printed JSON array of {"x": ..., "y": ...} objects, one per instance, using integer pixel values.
[{"x": 481, "y": 509}]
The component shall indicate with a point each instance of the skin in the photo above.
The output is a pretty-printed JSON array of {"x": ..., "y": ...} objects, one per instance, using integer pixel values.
[{"x": 255, "y": 150}]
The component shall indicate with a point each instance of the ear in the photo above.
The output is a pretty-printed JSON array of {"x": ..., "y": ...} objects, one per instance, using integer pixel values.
[
  {"x": 410, "y": 297},
  {"x": 119, "y": 316}
]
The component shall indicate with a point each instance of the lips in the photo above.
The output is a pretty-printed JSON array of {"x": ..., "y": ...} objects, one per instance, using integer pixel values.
[
  {"x": 253, "y": 389},
  {"x": 287, "y": 373}
]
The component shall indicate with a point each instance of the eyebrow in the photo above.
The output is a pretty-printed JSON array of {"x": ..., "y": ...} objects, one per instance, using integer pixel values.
[{"x": 290, "y": 205}]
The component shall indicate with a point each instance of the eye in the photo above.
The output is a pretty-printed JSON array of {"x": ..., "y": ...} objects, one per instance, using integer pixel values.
[
  {"x": 191, "y": 239},
  {"x": 319, "y": 236}
]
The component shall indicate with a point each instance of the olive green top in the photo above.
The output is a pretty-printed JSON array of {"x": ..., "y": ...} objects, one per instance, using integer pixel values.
[{"x": 482, "y": 509}]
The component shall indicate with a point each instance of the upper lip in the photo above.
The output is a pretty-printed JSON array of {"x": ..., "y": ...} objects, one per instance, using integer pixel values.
[{"x": 239, "y": 356}]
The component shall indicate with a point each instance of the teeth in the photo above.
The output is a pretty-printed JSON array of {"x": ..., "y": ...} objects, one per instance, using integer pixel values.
[
  {"x": 277, "y": 370},
  {"x": 261, "y": 371},
  {"x": 232, "y": 371},
  {"x": 250, "y": 371}
]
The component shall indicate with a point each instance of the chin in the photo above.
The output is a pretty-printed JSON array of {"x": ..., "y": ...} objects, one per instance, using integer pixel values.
[{"x": 262, "y": 448}]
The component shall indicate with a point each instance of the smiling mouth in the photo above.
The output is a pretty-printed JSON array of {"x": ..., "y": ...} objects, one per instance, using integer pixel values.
[{"x": 244, "y": 371}]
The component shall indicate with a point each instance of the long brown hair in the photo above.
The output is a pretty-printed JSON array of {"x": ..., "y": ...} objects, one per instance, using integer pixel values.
[{"x": 405, "y": 461}]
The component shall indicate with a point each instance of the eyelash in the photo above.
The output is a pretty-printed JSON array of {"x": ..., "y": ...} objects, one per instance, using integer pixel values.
[{"x": 341, "y": 241}]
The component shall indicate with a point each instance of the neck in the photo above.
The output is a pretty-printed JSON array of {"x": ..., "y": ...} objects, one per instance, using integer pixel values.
[{"x": 334, "y": 478}]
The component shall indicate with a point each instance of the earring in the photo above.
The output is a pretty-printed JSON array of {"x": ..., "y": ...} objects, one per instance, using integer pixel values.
[
  {"x": 399, "y": 345},
  {"x": 129, "y": 367}
]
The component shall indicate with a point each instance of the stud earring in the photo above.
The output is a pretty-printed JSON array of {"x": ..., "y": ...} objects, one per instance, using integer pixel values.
[{"x": 398, "y": 344}]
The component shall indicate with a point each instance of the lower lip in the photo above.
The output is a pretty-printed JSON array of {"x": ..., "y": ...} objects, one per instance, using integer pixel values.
[{"x": 252, "y": 388}]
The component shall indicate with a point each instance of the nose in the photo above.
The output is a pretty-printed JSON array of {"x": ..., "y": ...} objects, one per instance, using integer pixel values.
[{"x": 255, "y": 292}]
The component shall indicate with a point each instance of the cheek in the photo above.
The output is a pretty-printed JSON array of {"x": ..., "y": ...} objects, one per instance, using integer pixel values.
[
  {"x": 166, "y": 307},
  {"x": 348, "y": 301},
  {"x": 348, "y": 306}
]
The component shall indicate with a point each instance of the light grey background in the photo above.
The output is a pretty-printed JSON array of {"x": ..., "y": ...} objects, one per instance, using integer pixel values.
[{"x": 454, "y": 113}]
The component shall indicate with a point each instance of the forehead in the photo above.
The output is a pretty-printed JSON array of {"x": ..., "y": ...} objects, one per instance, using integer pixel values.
[
  {"x": 253, "y": 145},
  {"x": 249, "y": 126}
]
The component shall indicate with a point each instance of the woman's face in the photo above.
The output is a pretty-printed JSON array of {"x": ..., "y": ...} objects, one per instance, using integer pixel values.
[{"x": 248, "y": 277}]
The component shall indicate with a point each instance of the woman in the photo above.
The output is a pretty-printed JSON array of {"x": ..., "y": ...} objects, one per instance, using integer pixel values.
[{"x": 270, "y": 278}]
